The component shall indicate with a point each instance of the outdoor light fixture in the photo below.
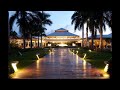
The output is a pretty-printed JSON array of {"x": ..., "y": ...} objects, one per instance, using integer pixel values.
[
  {"x": 84, "y": 56},
  {"x": 37, "y": 56},
  {"x": 77, "y": 52},
  {"x": 14, "y": 63},
  {"x": 106, "y": 68},
  {"x": 90, "y": 51}
]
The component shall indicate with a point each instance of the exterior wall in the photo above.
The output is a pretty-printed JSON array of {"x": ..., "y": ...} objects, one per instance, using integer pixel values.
[{"x": 58, "y": 40}]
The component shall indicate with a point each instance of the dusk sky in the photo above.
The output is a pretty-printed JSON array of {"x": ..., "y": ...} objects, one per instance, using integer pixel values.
[{"x": 60, "y": 19}]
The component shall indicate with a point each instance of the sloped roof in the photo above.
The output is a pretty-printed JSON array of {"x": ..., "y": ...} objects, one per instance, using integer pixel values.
[
  {"x": 104, "y": 36},
  {"x": 61, "y": 32}
]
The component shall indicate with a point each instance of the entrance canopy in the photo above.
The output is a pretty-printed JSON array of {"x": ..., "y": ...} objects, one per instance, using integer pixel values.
[{"x": 61, "y": 35}]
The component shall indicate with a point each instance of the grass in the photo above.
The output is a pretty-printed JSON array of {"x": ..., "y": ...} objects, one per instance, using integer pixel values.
[
  {"x": 27, "y": 58},
  {"x": 95, "y": 58}
]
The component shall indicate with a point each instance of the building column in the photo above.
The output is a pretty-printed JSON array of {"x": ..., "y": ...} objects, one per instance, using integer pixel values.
[{"x": 28, "y": 44}]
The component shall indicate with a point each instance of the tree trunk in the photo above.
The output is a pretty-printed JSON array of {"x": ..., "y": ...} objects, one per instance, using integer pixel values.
[
  {"x": 38, "y": 41},
  {"x": 24, "y": 40},
  {"x": 23, "y": 16},
  {"x": 92, "y": 37},
  {"x": 101, "y": 33},
  {"x": 8, "y": 33},
  {"x": 87, "y": 37},
  {"x": 31, "y": 41},
  {"x": 41, "y": 40},
  {"x": 83, "y": 36}
]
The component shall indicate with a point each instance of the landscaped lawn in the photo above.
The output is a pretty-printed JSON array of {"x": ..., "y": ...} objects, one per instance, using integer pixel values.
[
  {"x": 28, "y": 57},
  {"x": 95, "y": 58}
]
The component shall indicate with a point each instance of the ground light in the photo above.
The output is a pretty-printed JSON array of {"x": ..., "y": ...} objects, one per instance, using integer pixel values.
[
  {"x": 37, "y": 56},
  {"x": 106, "y": 68},
  {"x": 76, "y": 52},
  {"x": 14, "y": 65},
  {"x": 84, "y": 56},
  {"x": 90, "y": 51}
]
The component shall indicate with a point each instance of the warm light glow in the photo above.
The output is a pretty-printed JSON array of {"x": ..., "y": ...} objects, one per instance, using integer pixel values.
[
  {"x": 76, "y": 52},
  {"x": 84, "y": 56},
  {"x": 49, "y": 45},
  {"x": 90, "y": 51},
  {"x": 106, "y": 68},
  {"x": 14, "y": 66},
  {"x": 106, "y": 75},
  {"x": 37, "y": 56},
  {"x": 84, "y": 64},
  {"x": 76, "y": 59},
  {"x": 38, "y": 62},
  {"x": 62, "y": 45},
  {"x": 84, "y": 68},
  {"x": 73, "y": 44}
]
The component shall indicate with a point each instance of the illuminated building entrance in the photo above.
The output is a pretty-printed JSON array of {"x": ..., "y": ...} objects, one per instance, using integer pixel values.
[{"x": 61, "y": 37}]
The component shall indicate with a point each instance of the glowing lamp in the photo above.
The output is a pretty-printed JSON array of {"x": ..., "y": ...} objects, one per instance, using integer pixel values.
[
  {"x": 77, "y": 52},
  {"x": 90, "y": 51},
  {"x": 84, "y": 56},
  {"x": 106, "y": 68},
  {"x": 37, "y": 56},
  {"x": 14, "y": 63}
]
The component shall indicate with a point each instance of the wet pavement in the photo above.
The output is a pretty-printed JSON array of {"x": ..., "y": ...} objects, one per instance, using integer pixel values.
[{"x": 60, "y": 64}]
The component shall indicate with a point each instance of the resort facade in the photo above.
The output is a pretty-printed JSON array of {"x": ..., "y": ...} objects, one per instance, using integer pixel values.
[{"x": 62, "y": 38}]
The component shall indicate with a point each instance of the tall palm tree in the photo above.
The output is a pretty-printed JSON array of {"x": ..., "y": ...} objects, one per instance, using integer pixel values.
[
  {"x": 87, "y": 42},
  {"x": 43, "y": 20},
  {"x": 79, "y": 18},
  {"x": 108, "y": 18},
  {"x": 101, "y": 21},
  {"x": 20, "y": 16},
  {"x": 8, "y": 33}
]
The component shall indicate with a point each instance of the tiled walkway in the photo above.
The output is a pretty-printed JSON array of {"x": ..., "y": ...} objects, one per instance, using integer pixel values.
[{"x": 59, "y": 64}]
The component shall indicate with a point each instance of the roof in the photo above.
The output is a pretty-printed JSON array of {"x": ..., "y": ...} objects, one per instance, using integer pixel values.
[
  {"x": 62, "y": 32},
  {"x": 104, "y": 36}
]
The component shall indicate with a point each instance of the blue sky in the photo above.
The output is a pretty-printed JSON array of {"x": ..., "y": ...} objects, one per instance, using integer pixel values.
[{"x": 60, "y": 19}]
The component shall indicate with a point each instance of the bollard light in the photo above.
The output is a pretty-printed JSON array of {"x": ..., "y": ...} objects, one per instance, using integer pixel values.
[
  {"x": 77, "y": 52},
  {"x": 84, "y": 56},
  {"x": 90, "y": 51},
  {"x": 37, "y": 56},
  {"x": 14, "y": 65},
  {"x": 106, "y": 68}
]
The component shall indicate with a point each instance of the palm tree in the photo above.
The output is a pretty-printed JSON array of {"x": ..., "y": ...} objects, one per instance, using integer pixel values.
[
  {"x": 101, "y": 21},
  {"x": 43, "y": 20},
  {"x": 8, "y": 33},
  {"x": 82, "y": 17},
  {"x": 20, "y": 16},
  {"x": 108, "y": 18},
  {"x": 79, "y": 19},
  {"x": 87, "y": 42}
]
